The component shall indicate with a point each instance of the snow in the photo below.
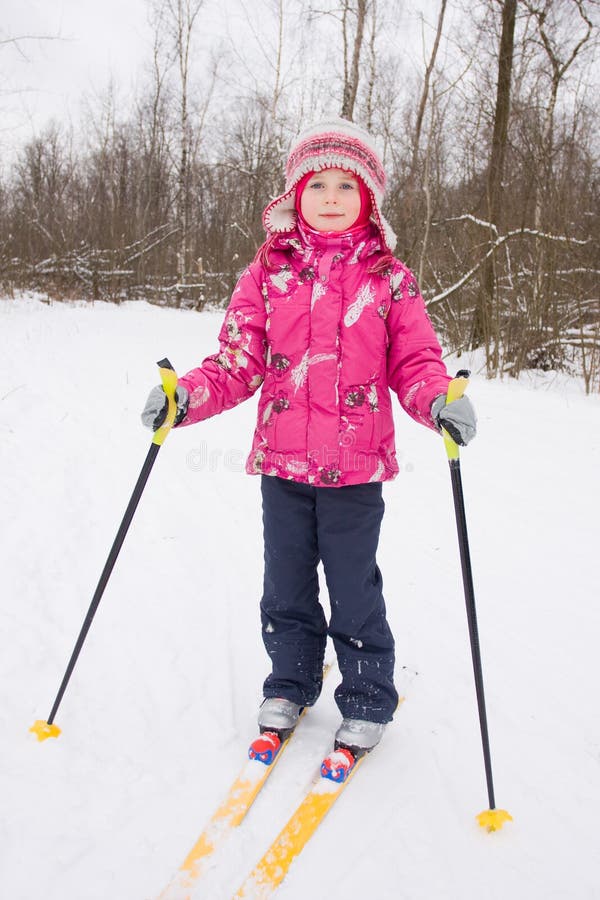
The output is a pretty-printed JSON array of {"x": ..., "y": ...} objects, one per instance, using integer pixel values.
[{"x": 163, "y": 701}]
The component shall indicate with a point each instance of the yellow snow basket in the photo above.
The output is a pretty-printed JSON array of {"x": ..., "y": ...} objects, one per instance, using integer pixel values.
[
  {"x": 43, "y": 731},
  {"x": 494, "y": 819}
]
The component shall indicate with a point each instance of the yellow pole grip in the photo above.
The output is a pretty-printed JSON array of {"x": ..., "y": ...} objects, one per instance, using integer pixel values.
[
  {"x": 168, "y": 376},
  {"x": 456, "y": 389}
]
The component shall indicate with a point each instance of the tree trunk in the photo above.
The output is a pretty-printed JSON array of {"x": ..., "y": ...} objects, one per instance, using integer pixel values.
[
  {"x": 277, "y": 85},
  {"x": 351, "y": 77},
  {"x": 484, "y": 312},
  {"x": 372, "y": 66},
  {"x": 416, "y": 182},
  {"x": 183, "y": 16},
  {"x": 425, "y": 91}
]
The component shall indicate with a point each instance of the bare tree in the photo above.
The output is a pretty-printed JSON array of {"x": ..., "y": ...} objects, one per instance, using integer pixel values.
[
  {"x": 426, "y": 87},
  {"x": 417, "y": 179},
  {"x": 560, "y": 53},
  {"x": 356, "y": 9},
  {"x": 484, "y": 309},
  {"x": 277, "y": 84},
  {"x": 372, "y": 70},
  {"x": 182, "y": 16},
  {"x": 154, "y": 133}
]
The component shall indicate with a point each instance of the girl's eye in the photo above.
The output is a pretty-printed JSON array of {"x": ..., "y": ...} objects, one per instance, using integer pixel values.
[{"x": 343, "y": 186}]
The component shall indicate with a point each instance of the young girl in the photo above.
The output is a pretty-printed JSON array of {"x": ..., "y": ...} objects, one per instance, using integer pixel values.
[{"x": 326, "y": 320}]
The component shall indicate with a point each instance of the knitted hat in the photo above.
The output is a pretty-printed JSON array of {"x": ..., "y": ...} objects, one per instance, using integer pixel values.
[{"x": 334, "y": 144}]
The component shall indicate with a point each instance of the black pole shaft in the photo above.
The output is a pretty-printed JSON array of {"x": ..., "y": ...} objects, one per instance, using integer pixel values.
[
  {"x": 106, "y": 572},
  {"x": 465, "y": 559}
]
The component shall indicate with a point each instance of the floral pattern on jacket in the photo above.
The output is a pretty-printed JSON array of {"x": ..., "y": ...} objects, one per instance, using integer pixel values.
[{"x": 327, "y": 339}]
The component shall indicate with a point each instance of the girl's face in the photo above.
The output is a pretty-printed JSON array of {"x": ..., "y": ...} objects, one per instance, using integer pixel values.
[{"x": 330, "y": 200}]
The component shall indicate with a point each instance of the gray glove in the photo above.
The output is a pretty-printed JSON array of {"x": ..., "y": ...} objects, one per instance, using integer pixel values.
[
  {"x": 155, "y": 410},
  {"x": 457, "y": 417}
]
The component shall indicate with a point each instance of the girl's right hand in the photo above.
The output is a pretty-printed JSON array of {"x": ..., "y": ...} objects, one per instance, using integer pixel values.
[{"x": 154, "y": 412}]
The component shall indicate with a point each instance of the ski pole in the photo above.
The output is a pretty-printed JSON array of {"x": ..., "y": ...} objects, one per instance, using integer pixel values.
[
  {"x": 493, "y": 819},
  {"x": 45, "y": 729}
]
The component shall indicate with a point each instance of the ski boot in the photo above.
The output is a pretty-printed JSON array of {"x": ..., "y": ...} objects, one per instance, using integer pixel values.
[{"x": 277, "y": 719}]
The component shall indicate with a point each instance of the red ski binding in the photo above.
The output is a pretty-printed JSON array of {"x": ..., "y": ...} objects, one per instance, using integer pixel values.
[
  {"x": 338, "y": 765},
  {"x": 265, "y": 748}
]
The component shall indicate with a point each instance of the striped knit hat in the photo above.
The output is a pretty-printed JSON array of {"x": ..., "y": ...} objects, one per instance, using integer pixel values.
[{"x": 334, "y": 144}]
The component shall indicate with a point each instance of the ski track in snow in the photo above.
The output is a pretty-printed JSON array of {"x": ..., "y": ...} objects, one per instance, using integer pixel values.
[{"x": 162, "y": 705}]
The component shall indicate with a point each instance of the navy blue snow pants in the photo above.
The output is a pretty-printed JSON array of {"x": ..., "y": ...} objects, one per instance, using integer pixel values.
[{"x": 340, "y": 526}]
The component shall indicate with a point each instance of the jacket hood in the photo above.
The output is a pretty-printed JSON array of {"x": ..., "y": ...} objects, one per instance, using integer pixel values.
[{"x": 331, "y": 144}]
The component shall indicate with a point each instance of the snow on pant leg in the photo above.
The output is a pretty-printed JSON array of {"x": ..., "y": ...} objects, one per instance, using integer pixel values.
[
  {"x": 348, "y": 523},
  {"x": 294, "y": 627}
]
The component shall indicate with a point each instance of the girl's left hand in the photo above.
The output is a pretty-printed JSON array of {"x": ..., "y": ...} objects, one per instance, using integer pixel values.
[{"x": 458, "y": 418}]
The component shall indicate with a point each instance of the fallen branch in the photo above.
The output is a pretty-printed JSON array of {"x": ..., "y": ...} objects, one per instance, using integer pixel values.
[{"x": 502, "y": 239}]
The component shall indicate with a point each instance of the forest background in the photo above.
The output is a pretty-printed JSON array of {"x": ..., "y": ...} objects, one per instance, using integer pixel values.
[{"x": 486, "y": 114}]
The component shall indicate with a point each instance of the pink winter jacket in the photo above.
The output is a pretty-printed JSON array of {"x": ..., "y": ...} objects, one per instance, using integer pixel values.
[{"x": 326, "y": 339}]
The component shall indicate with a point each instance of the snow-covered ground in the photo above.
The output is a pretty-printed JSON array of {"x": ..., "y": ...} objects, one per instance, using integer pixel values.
[{"x": 162, "y": 704}]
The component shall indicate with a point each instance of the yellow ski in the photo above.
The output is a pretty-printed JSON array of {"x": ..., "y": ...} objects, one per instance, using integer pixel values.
[
  {"x": 268, "y": 874},
  {"x": 228, "y": 816},
  {"x": 231, "y": 813},
  {"x": 270, "y": 871}
]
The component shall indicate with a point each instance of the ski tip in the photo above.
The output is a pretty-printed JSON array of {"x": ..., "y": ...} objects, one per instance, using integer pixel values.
[
  {"x": 493, "y": 819},
  {"x": 43, "y": 730}
]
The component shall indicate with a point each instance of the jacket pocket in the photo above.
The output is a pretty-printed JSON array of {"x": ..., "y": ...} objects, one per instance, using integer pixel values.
[{"x": 360, "y": 416}]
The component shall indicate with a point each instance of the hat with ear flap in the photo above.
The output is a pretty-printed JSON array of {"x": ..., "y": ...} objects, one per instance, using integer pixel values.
[{"x": 332, "y": 144}]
